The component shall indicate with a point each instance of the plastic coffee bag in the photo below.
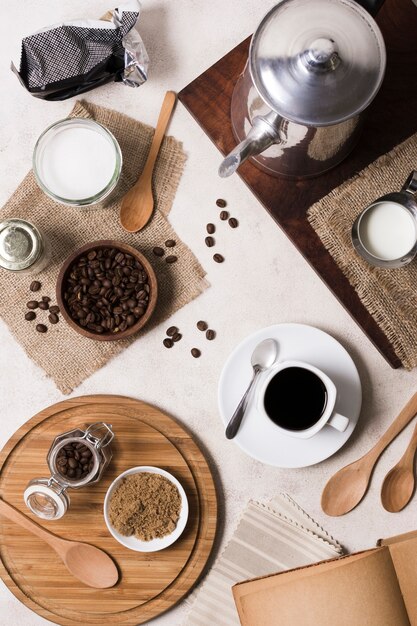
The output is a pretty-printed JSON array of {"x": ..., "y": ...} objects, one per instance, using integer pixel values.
[{"x": 65, "y": 60}]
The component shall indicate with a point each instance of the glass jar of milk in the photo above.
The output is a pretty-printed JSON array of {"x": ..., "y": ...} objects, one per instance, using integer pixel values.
[{"x": 77, "y": 162}]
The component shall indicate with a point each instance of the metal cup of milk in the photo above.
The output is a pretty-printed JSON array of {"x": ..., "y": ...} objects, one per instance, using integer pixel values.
[
  {"x": 77, "y": 162},
  {"x": 385, "y": 232}
]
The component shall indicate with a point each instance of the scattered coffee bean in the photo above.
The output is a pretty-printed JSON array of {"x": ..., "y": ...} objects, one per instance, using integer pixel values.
[
  {"x": 168, "y": 343},
  {"x": 171, "y": 259},
  {"x": 202, "y": 325},
  {"x": 233, "y": 223},
  {"x": 46, "y": 298},
  {"x": 171, "y": 331},
  {"x": 176, "y": 337},
  {"x": 221, "y": 203},
  {"x": 53, "y": 318},
  {"x": 30, "y": 315},
  {"x": 44, "y": 306},
  {"x": 210, "y": 334},
  {"x": 209, "y": 242},
  {"x": 107, "y": 292},
  {"x": 75, "y": 460},
  {"x": 35, "y": 285},
  {"x": 158, "y": 251},
  {"x": 32, "y": 304},
  {"x": 195, "y": 352},
  {"x": 218, "y": 258},
  {"x": 41, "y": 328},
  {"x": 224, "y": 215},
  {"x": 211, "y": 229},
  {"x": 54, "y": 309},
  {"x": 170, "y": 243}
]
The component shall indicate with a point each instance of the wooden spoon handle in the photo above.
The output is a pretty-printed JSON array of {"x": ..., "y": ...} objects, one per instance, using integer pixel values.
[
  {"x": 400, "y": 422},
  {"x": 410, "y": 451},
  {"x": 163, "y": 119},
  {"x": 7, "y": 510}
]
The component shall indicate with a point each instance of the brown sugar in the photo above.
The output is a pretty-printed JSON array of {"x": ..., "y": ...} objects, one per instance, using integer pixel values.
[{"x": 145, "y": 505}]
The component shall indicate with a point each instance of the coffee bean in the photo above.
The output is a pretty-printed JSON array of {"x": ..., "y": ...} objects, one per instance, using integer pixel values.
[
  {"x": 171, "y": 331},
  {"x": 53, "y": 318},
  {"x": 32, "y": 304},
  {"x": 176, "y": 337},
  {"x": 41, "y": 328},
  {"x": 54, "y": 309},
  {"x": 209, "y": 242},
  {"x": 106, "y": 292},
  {"x": 35, "y": 285},
  {"x": 195, "y": 352},
  {"x": 44, "y": 306},
  {"x": 30, "y": 315},
  {"x": 46, "y": 298},
  {"x": 168, "y": 343},
  {"x": 73, "y": 463},
  {"x": 171, "y": 259},
  {"x": 218, "y": 258},
  {"x": 224, "y": 215},
  {"x": 170, "y": 243},
  {"x": 158, "y": 251},
  {"x": 210, "y": 334},
  {"x": 202, "y": 325},
  {"x": 233, "y": 223},
  {"x": 211, "y": 229},
  {"x": 221, "y": 203}
]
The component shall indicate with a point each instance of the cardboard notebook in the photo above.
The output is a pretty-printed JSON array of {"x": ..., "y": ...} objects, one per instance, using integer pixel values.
[{"x": 376, "y": 587}]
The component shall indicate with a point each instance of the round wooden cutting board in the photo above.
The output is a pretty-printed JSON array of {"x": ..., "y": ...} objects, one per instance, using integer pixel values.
[{"x": 150, "y": 583}]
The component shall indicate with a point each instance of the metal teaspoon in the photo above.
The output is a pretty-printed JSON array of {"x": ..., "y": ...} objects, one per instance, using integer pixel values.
[{"x": 263, "y": 357}]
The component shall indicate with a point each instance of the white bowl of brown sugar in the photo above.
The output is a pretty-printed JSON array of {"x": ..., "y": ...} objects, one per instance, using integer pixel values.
[{"x": 146, "y": 509}]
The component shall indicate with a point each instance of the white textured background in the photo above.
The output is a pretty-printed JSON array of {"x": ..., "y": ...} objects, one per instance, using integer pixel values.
[{"x": 263, "y": 281}]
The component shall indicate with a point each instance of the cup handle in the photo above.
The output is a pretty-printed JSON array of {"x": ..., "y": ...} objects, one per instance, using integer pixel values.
[{"x": 340, "y": 422}]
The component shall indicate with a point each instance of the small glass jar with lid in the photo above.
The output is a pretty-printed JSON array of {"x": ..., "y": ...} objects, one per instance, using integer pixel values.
[
  {"x": 76, "y": 459},
  {"x": 23, "y": 247}
]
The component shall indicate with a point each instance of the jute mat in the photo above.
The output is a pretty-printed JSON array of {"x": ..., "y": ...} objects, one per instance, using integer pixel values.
[
  {"x": 390, "y": 296},
  {"x": 64, "y": 355}
]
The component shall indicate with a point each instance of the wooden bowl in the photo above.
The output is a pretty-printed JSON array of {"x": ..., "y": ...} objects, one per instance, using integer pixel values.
[{"x": 62, "y": 279}]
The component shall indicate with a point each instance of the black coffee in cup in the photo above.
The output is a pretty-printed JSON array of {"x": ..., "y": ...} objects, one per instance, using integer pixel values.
[{"x": 295, "y": 398}]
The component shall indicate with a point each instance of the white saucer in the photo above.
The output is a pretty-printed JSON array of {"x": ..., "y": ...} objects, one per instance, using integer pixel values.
[{"x": 258, "y": 436}]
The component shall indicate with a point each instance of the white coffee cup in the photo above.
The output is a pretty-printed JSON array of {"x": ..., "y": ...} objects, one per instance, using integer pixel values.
[{"x": 329, "y": 416}]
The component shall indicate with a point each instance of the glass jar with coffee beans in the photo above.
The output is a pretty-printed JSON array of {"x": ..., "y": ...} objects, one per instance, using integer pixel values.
[{"x": 76, "y": 459}]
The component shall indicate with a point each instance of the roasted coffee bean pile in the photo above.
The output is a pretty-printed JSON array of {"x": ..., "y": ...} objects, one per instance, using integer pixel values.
[
  {"x": 42, "y": 305},
  {"x": 107, "y": 291},
  {"x": 74, "y": 460},
  {"x": 173, "y": 335},
  {"x": 160, "y": 252},
  {"x": 211, "y": 228}
]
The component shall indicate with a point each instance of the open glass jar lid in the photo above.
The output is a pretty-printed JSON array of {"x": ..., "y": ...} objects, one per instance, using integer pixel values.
[
  {"x": 76, "y": 459},
  {"x": 21, "y": 245},
  {"x": 77, "y": 162},
  {"x": 317, "y": 62}
]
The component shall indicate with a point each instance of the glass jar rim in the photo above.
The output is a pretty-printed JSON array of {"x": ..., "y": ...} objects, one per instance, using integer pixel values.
[{"x": 100, "y": 195}]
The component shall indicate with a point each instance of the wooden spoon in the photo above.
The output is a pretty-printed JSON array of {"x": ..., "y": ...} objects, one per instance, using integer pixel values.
[
  {"x": 137, "y": 205},
  {"x": 347, "y": 487},
  {"x": 89, "y": 564},
  {"x": 398, "y": 485}
]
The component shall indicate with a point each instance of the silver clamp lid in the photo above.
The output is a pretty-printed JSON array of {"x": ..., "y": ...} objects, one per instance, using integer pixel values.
[{"x": 317, "y": 62}]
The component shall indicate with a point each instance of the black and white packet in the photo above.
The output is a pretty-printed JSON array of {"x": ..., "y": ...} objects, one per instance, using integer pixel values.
[{"x": 67, "y": 59}]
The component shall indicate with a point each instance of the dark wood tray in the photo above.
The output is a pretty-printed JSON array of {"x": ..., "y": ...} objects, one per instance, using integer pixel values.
[{"x": 392, "y": 117}]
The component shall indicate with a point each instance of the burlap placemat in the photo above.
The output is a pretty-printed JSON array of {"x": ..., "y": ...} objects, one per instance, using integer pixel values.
[
  {"x": 65, "y": 356},
  {"x": 390, "y": 296}
]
